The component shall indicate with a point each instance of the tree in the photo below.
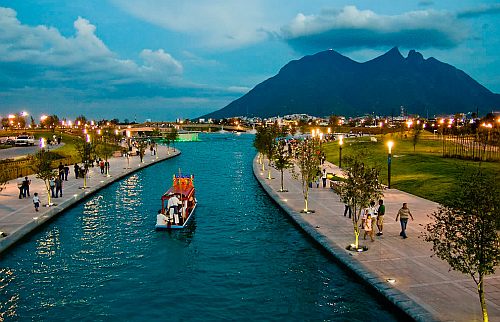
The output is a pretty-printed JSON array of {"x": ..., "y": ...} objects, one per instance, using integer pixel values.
[
  {"x": 85, "y": 149},
  {"x": 307, "y": 160},
  {"x": 271, "y": 133},
  {"x": 41, "y": 163},
  {"x": 105, "y": 149},
  {"x": 360, "y": 186},
  {"x": 81, "y": 120},
  {"x": 258, "y": 143},
  {"x": 463, "y": 230},
  {"x": 171, "y": 137},
  {"x": 417, "y": 130},
  {"x": 282, "y": 160},
  {"x": 50, "y": 122}
]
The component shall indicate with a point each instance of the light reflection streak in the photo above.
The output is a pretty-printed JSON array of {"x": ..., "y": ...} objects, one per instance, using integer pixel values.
[{"x": 8, "y": 302}]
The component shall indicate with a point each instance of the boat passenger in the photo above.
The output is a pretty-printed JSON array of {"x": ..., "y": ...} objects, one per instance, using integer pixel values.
[
  {"x": 161, "y": 219},
  {"x": 173, "y": 206}
]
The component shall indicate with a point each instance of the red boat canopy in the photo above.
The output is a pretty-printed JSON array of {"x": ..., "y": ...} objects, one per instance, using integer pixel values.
[{"x": 182, "y": 185}]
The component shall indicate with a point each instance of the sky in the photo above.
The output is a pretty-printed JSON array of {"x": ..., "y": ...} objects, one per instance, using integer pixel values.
[{"x": 165, "y": 59}]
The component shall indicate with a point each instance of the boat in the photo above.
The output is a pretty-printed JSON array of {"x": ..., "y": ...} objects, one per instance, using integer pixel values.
[{"x": 181, "y": 193}]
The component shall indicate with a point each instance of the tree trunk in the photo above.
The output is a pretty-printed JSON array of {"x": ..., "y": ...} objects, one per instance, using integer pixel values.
[
  {"x": 269, "y": 170},
  {"x": 282, "y": 188},
  {"x": 480, "y": 291},
  {"x": 47, "y": 188}
]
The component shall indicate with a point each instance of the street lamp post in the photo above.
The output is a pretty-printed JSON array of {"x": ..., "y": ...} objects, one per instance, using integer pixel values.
[
  {"x": 87, "y": 160},
  {"x": 389, "y": 157},
  {"x": 129, "y": 149},
  {"x": 341, "y": 142}
]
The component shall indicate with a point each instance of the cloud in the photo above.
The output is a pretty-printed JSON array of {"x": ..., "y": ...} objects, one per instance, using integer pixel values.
[
  {"x": 492, "y": 9},
  {"x": 354, "y": 28},
  {"x": 34, "y": 55},
  {"x": 425, "y": 3},
  {"x": 238, "y": 89},
  {"x": 215, "y": 24}
]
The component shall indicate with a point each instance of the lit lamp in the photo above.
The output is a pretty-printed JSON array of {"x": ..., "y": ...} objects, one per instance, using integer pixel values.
[
  {"x": 389, "y": 156},
  {"x": 341, "y": 141},
  {"x": 129, "y": 148},
  {"x": 87, "y": 161}
]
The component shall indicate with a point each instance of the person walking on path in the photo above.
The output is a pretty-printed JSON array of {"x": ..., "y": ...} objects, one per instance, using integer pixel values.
[
  {"x": 58, "y": 183},
  {"x": 52, "y": 185},
  {"x": 77, "y": 169},
  {"x": 403, "y": 214},
  {"x": 101, "y": 166},
  {"x": 380, "y": 217},
  {"x": 60, "y": 168},
  {"x": 66, "y": 172},
  {"x": 36, "y": 201},
  {"x": 367, "y": 226},
  {"x": 324, "y": 178},
  {"x": 20, "y": 186},
  {"x": 26, "y": 187}
]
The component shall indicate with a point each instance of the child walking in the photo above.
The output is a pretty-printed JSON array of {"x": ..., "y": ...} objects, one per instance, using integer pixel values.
[
  {"x": 36, "y": 201},
  {"x": 368, "y": 227}
]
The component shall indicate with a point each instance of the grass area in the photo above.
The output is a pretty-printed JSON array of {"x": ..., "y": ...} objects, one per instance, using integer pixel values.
[{"x": 423, "y": 172}]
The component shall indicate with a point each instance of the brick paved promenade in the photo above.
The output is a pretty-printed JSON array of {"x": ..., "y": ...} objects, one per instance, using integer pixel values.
[
  {"x": 18, "y": 217},
  {"x": 424, "y": 287}
]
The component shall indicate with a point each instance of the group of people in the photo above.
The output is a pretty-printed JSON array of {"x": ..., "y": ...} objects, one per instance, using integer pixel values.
[
  {"x": 24, "y": 188},
  {"x": 172, "y": 213},
  {"x": 56, "y": 182},
  {"x": 373, "y": 216}
]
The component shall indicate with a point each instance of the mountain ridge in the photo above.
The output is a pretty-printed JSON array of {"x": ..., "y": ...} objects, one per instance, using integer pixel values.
[{"x": 328, "y": 83}]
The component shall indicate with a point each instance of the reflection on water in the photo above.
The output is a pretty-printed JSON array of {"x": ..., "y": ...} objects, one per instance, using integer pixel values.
[
  {"x": 8, "y": 297},
  {"x": 239, "y": 259}
]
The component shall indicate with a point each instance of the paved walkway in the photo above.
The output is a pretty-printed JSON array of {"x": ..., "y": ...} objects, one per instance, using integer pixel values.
[
  {"x": 425, "y": 288},
  {"x": 18, "y": 217}
]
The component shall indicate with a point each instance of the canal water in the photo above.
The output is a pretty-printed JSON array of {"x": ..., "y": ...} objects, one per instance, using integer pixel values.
[{"x": 241, "y": 259}]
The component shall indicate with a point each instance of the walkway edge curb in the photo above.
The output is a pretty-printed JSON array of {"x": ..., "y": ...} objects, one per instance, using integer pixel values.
[
  {"x": 12, "y": 239},
  {"x": 400, "y": 300}
]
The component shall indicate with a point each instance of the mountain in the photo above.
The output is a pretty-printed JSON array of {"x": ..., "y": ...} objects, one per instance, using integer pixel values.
[{"x": 329, "y": 83}]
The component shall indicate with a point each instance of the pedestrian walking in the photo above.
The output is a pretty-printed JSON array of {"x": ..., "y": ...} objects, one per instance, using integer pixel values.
[
  {"x": 66, "y": 172},
  {"x": 26, "y": 187},
  {"x": 403, "y": 215},
  {"x": 58, "y": 183},
  {"x": 106, "y": 166},
  {"x": 36, "y": 201},
  {"x": 101, "y": 166},
  {"x": 367, "y": 226},
  {"x": 380, "y": 217},
  {"x": 77, "y": 169},
  {"x": 61, "y": 170},
  {"x": 20, "y": 186},
  {"x": 347, "y": 209},
  {"x": 323, "y": 177},
  {"x": 373, "y": 213},
  {"x": 52, "y": 186}
]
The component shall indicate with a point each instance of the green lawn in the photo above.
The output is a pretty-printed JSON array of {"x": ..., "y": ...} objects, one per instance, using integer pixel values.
[{"x": 424, "y": 172}]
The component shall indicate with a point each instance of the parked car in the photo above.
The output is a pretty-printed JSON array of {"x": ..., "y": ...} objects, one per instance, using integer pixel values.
[
  {"x": 25, "y": 140},
  {"x": 8, "y": 140}
]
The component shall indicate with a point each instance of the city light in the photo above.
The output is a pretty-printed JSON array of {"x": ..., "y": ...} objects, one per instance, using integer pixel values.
[{"x": 390, "y": 144}]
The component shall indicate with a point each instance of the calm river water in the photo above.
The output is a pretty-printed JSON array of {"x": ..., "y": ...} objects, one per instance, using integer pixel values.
[{"x": 240, "y": 260}]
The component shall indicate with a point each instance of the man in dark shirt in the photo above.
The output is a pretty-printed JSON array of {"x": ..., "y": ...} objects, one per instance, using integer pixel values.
[{"x": 380, "y": 217}]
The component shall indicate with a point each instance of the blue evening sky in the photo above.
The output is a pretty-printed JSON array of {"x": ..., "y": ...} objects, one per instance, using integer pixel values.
[{"x": 164, "y": 59}]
